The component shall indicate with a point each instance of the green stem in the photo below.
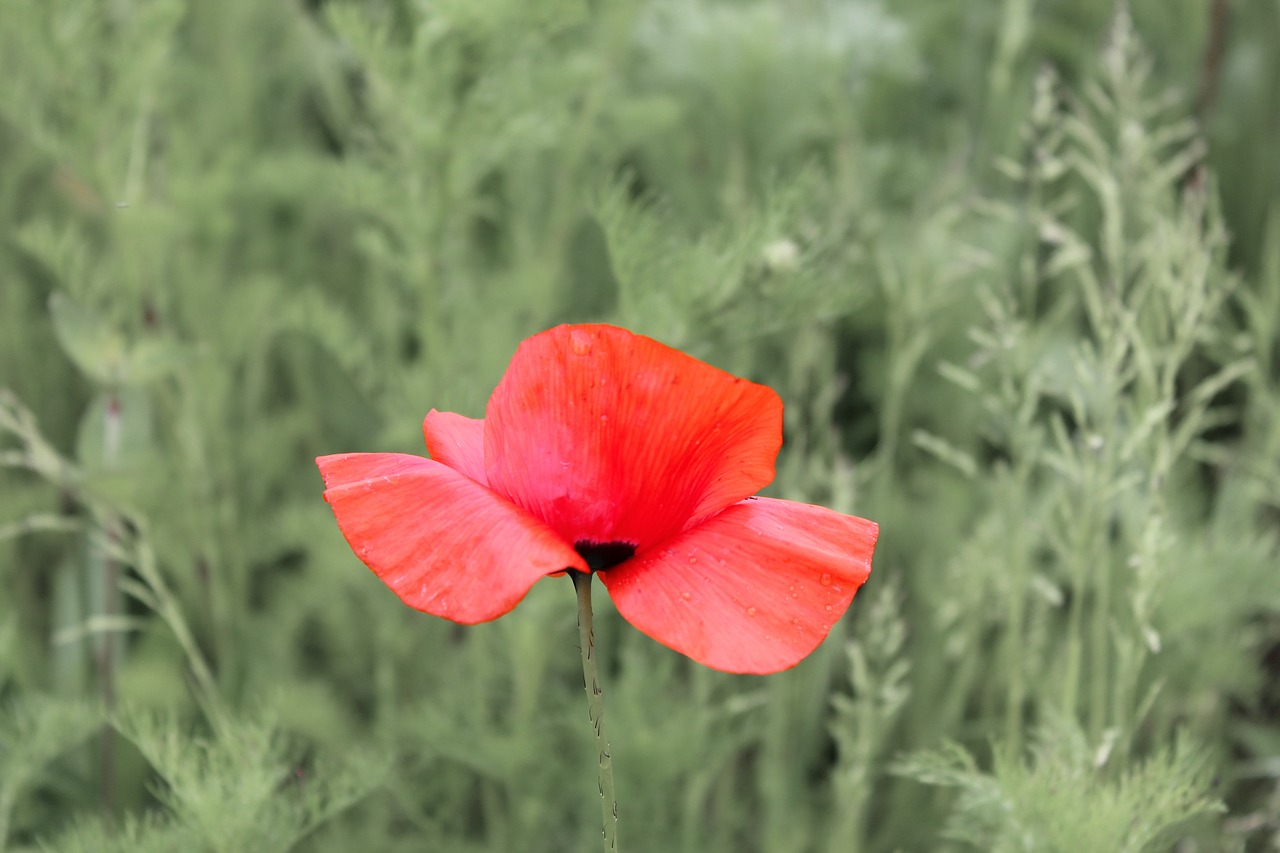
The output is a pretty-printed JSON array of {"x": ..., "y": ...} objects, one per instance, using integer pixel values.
[
  {"x": 108, "y": 577},
  {"x": 595, "y": 709},
  {"x": 8, "y": 798}
]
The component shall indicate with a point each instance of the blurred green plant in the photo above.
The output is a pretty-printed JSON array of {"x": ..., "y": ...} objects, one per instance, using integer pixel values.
[
  {"x": 1016, "y": 277},
  {"x": 1062, "y": 800}
]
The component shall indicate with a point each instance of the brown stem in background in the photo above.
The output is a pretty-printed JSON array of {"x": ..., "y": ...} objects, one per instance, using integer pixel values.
[{"x": 1211, "y": 70}]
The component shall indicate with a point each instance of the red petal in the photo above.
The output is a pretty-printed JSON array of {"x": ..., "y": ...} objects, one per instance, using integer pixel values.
[
  {"x": 754, "y": 589},
  {"x": 609, "y": 436},
  {"x": 456, "y": 441},
  {"x": 443, "y": 543}
]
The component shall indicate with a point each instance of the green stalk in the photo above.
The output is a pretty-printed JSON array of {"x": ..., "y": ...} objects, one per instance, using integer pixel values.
[
  {"x": 595, "y": 710},
  {"x": 1015, "y": 617},
  {"x": 106, "y": 577}
]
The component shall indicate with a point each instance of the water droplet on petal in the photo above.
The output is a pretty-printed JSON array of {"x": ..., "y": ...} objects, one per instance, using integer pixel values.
[
  {"x": 825, "y": 580},
  {"x": 795, "y": 620},
  {"x": 827, "y": 608},
  {"x": 751, "y": 611},
  {"x": 836, "y": 588},
  {"x": 693, "y": 559},
  {"x": 686, "y": 595},
  {"x": 580, "y": 342}
]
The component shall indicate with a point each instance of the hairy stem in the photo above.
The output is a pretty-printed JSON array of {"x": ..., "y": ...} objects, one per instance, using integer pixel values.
[{"x": 595, "y": 709}]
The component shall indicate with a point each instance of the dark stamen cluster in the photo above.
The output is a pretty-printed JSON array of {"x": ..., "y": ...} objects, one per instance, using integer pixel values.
[{"x": 604, "y": 555}]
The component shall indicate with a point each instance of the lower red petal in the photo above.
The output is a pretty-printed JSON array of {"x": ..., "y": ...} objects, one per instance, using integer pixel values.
[
  {"x": 444, "y": 543},
  {"x": 753, "y": 589}
]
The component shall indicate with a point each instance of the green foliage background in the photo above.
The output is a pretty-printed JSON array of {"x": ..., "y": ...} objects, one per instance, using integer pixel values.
[{"x": 1013, "y": 266}]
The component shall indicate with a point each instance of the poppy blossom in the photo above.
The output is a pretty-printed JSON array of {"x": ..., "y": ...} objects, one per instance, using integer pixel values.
[{"x": 606, "y": 451}]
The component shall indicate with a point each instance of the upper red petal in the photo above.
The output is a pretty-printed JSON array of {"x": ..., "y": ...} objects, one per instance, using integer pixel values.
[
  {"x": 754, "y": 589},
  {"x": 609, "y": 436},
  {"x": 443, "y": 542},
  {"x": 457, "y": 441}
]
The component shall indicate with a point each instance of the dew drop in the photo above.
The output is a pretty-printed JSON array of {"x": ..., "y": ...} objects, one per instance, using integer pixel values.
[
  {"x": 825, "y": 580},
  {"x": 604, "y": 419},
  {"x": 795, "y": 620},
  {"x": 580, "y": 342},
  {"x": 827, "y": 608},
  {"x": 693, "y": 559},
  {"x": 836, "y": 588},
  {"x": 751, "y": 611},
  {"x": 686, "y": 595}
]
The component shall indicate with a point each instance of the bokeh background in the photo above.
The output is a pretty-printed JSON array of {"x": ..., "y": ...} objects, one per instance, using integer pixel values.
[{"x": 1013, "y": 266}]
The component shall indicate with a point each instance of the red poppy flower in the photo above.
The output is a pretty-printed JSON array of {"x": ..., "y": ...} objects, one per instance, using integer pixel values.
[{"x": 602, "y": 450}]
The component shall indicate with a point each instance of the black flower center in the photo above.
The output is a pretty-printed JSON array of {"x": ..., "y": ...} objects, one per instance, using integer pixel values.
[{"x": 604, "y": 555}]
